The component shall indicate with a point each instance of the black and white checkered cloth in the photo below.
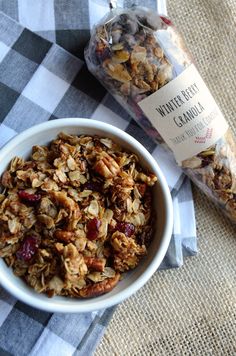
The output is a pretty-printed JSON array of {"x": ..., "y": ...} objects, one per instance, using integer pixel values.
[{"x": 43, "y": 77}]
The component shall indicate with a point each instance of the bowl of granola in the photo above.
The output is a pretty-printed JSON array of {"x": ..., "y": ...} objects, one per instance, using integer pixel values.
[{"x": 85, "y": 216}]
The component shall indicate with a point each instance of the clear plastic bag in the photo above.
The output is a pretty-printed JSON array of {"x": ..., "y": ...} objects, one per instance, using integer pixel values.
[{"x": 134, "y": 53}]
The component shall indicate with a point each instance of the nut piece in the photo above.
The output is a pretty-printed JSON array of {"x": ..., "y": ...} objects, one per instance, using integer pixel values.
[
  {"x": 106, "y": 166},
  {"x": 63, "y": 235},
  {"x": 138, "y": 54},
  {"x": 95, "y": 264},
  {"x": 100, "y": 288},
  {"x": 7, "y": 180}
]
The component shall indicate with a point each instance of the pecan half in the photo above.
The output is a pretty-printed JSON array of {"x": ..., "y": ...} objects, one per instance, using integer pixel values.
[
  {"x": 95, "y": 264},
  {"x": 100, "y": 288},
  {"x": 106, "y": 166}
]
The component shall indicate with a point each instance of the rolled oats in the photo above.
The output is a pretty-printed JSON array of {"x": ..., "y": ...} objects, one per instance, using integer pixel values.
[{"x": 72, "y": 236}]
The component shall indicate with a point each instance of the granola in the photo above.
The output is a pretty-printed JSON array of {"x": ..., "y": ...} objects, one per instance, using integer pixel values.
[
  {"x": 75, "y": 216},
  {"x": 134, "y": 53}
]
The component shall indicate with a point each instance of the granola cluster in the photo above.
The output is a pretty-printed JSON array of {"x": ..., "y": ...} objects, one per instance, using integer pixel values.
[
  {"x": 135, "y": 52},
  {"x": 75, "y": 216}
]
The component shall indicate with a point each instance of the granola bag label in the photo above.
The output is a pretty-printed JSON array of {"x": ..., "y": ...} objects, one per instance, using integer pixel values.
[{"x": 185, "y": 114}]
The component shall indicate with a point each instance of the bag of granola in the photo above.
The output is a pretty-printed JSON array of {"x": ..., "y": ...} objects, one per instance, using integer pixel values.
[{"x": 142, "y": 60}]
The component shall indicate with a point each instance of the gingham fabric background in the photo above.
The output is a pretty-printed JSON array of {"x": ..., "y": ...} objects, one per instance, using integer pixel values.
[{"x": 41, "y": 81}]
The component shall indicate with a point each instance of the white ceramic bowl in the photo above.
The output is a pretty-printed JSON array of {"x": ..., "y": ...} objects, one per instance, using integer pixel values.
[{"x": 42, "y": 134}]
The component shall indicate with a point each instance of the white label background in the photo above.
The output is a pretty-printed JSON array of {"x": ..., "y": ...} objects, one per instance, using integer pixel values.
[{"x": 186, "y": 92}]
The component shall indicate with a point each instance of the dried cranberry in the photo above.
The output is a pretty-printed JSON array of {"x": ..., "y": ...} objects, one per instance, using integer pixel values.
[
  {"x": 93, "y": 229},
  {"x": 95, "y": 186},
  {"x": 166, "y": 20},
  {"x": 146, "y": 236},
  {"x": 29, "y": 198},
  {"x": 103, "y": 54},
  {"x": 127, "y": 228},
  {"x": 28, "y": 248},
  {"x": 206, "y": 161}
]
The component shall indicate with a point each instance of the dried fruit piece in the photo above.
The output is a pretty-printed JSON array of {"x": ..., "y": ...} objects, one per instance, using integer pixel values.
[
  {"x": 102, "y": 51},
  {"x": 29, "y": 198},
  {"x": 127, "y": 228},
  {"x": 93, "y": 229},
  {"x": 95, "y": 186},
  {"x": 166, "y": 20},
  {"x": 28, "y": 248}
]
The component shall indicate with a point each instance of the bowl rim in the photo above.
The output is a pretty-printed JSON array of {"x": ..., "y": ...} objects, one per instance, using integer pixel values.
[{"x": 56, "y": 306}]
